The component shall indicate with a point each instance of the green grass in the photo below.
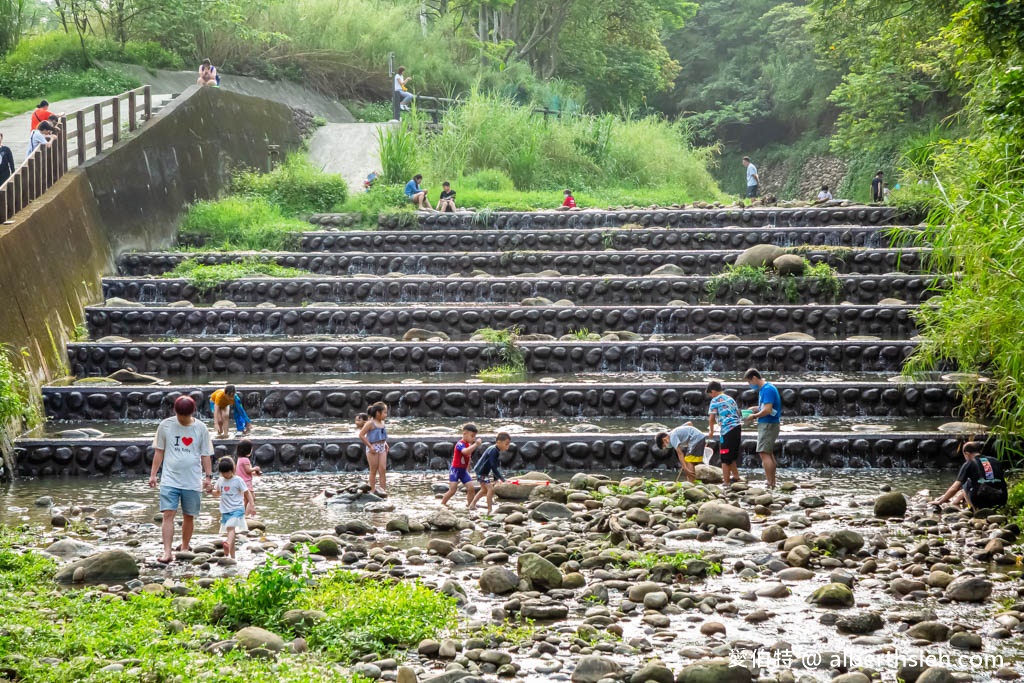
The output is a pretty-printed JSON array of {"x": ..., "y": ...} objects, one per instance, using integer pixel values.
[
  {"x": 17, "y": 409},
  {"x": 241, "y": 223},
  {"x": 679, "y": 561},
  {"x": 295, "y": 186},
  {"x": 207, "y": 278},
  {"x": 738, "y": 280},
  {"x": 85, "y": 630}
]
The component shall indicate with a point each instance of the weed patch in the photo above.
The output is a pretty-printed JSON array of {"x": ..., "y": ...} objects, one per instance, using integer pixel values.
[
  {"x": 207, "y": 278},
  {"x": 763, "y": 282},
  {"x": 296, "y": 187},
  {"x": 241, "y": 223}
]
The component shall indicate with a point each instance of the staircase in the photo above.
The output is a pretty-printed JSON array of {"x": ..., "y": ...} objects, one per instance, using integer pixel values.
[{"x": 618, "y": 330}]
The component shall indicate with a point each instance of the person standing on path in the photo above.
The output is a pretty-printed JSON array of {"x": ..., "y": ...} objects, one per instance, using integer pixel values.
[
  {"x": 878, "y": 188},
  {"x": 183, "y": 452},
  {"x": 726, "y": 413},
  {"x": 374, "y": 435},
  {"x": 400, "y": 82},
  {"x": 769, "y": 418},
  {"x": 753, "y": 180},
  {"x": 6, "y": 161},
  {"x": 42, "y": 113}
]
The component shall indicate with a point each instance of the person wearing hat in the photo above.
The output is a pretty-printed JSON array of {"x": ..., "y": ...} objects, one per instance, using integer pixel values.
[{"x": 182, "y": 454}]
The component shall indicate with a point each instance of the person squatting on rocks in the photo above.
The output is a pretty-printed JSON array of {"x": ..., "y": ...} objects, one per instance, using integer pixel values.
[
  {"x": 374, "y": 435},
  {"x": 980, "y": 483},
  {"x": 488, "y": 467},
  {"x": 769, "y": 418},
  {"x": 208, "y": 74},
  {"x": 459, "y": 472},
  {"x": 245, "y": 470},
  {"x": 688, "y": 443},
  {"x": 182, "y": 453},
  {"x": 223, "y": 403},
  {"x": 724, "y": 411},
  {"x": 235, "y": 497}
]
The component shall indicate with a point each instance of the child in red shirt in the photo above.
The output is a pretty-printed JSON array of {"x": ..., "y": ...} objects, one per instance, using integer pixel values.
[
  {"x": 570, "y": 201},
  {"x": 459, "y": 471}
]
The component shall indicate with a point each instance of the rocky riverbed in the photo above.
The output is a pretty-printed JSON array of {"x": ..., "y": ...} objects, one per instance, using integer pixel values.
[{"x": 616, "y": 577}]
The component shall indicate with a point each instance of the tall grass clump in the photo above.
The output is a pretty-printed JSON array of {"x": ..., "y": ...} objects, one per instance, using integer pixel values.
[
  {"x": 17, "y": 409},
  {"x": 241, "y": 223},
  {"x": 398, "y": 152},
  {"x": 295, "y": 186},
  {"x": 207, "y": 278},
  {"x": 493, "y": 134}
]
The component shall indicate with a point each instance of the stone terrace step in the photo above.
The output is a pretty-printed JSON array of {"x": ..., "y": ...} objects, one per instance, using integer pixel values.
[
  {"x": 214, "y": 357},
  {"x": 880, "y": 398},
  {"x": 704, "y": 239},
  {"x": 698, "y": 218},
  {"x": 573, "y": 452},
  {"x": 581, "y": 291},
  {"x": 866, "y": 261},
  {"x": 888, "y": 322}
]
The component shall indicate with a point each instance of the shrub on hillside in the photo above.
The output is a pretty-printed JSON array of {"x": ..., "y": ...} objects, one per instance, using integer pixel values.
[{"x": 295, "y": 186}]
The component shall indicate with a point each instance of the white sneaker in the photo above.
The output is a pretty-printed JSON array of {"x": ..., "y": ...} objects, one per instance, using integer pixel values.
[{"x": 404, "y": 107}]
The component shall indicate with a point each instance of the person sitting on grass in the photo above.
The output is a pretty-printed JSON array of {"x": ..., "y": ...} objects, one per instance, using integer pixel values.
[
  {"x": 490, "y": 465},
  {"x": 447, "y": 202},
  {"x": 569, "y": 202},
  {"x": 416, "y": 194}
]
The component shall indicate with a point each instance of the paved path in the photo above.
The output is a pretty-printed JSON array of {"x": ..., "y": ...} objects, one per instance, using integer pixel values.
[{"x": 349, "y": 149}]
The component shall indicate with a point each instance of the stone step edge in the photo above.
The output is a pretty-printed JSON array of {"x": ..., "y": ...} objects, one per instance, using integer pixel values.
[
  {"x": 501, "y": 279},
  {"x": 213, "y": 341},
  {"x": 424, "y": 307}
]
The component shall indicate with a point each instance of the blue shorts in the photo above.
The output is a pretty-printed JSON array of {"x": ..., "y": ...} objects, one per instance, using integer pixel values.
[
  {"x": 459, "y": 474},
  {"x": 190, "y": 501}
]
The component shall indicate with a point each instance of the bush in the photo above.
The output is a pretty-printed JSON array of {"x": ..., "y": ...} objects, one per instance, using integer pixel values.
[
  {"x": 16, "y": 407},
  {"x": 380, "y": 199},
  {"x": 491, "y": 180},
  {"x": 241, "y": 223},
  {"x": 151, "y": 54},
  {"x": 267, "y": 593},
  {"x": 296, "y": 187}
]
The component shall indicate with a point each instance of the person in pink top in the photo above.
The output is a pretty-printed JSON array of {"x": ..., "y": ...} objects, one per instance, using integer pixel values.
[{"x": 245, "y": 470}]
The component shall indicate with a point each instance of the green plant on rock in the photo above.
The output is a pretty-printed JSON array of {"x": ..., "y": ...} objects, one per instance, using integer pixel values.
[
  {"x": 241, "y": 223},
  {"x": 582, "y": 333},
  {"x": 503, "y": 347},
  {"x": 505, "y": 632},
  {"x": 207, "y": 278},
  {"x": 267, "y": 593},
  {"x": 752, "y": 278},
  {"x": 678, "y": 561},
  {"x": 398, "y": 151},
  {"x": 825, "y": 276},
  {"x": 17, "y": 409},
  {"x": 760, "y": 280}
]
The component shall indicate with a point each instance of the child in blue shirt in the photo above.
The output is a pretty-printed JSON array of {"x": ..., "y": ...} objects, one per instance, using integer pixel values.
[{"x": 488, "y": 465}]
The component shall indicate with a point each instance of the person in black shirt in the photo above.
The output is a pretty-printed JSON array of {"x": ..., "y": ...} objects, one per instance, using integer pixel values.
[
  {"x": 980, "y": 481},
  {"x": 878, "y": 188},
  {"x": 488, "y": 470},
  {"x": 6, "y": 161},
  {"x": 447, "y": 202}
]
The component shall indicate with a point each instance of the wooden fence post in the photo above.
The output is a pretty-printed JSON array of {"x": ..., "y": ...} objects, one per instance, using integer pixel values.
[
  {"x": 131, "y": 110},
  {"x": 80, "y": 132},
  {"x": 97, "y": 130},
  {"x": 147, "y": 99},
  {"x": 116, "y": 120}
]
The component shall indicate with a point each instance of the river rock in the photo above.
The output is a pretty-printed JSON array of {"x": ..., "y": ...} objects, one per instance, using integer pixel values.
[
  {"x": 638, "y": 591},
  {"x": 555, "y": 494},
  {"x": 440, "y": 546},
  {"x": 536, "y": 301},
  {"x": 419, "y": 334},
  {"x": 253, "y": 637},
  {"x": 443, "y": 520},
  {"x": 301, "y": 620},
  {"x": 832, "y": 595},
  {"x": 759, "y": 256},
  {"x": 708, "y": 474},
  {"x": 963, "y": 640},
  {"x": 847, "y": 539},
  {"x": 498, "y": 580},
  {"x": 795, "y": 573},
  {"x": 399, "y": 524},
  {"x": 790, "y": 264},
  {"x": 544, "y": 611},
  {"x": 668, "y": 270},
  {"x": 653, "y": 671},
  {"x": 932, "y": 631},
  {"x": 939, "y": 579},
  {"x": 714, "y": 671},
  {"x": 892, "y": 504},
  {"x": 509, "y": 491},
  {"x": 723, "y": 515},
  {"x": 327, "y": 546},
  {"x": 936, "y": 674},
  {"x": 792, "y": 336},
  {"x": 546, "y": 512},
  {"x": 593, "y": 668},
  {"x": 773, "y": 533},
  {"x": 109, "y": 566},
  {"x": 865, "y": 622},
  {"x": 66, "y": 548},
  {"x": 118, "y": 302},
  {"x": 969, "y": 589},
  {"x": 406, "y": 674},
  {"x": 539, "y": 571}
]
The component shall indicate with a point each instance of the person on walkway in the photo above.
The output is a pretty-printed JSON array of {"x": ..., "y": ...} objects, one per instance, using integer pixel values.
[
  {"x": 753, "y": 180},
  {"x": 43, "y": 113},
  {"x": 401, "y": 80},
  {"x": 43, "y": 136},
  {"x": 446, "y": 204},
  {"x": 724, "y": 411},
  {"x": 980, "y": 482},
  {"x": 246, "y": 471},
  {"x": 488, "y": 470},
  {"x": 824, "y": 195},
  {"x": 223, "y": 403},
  {"x": 416, "y": 194},
  {"x": 688, "y": 443},
  {"x": 374, "y": 436},
  {"x": 208, "y": 74},
  {"x": 6, "y": 161},
  {"x": 182, "y": 453},
  {"x": 878, "y": 188},
  {"x": 235, "y": 497},
  {"x": 768, "y": 414},
  {"x": 459, "y": 472}
]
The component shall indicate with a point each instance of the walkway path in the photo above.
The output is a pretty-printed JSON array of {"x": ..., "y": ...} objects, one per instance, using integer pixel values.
[{"x": 349, "y": 149}]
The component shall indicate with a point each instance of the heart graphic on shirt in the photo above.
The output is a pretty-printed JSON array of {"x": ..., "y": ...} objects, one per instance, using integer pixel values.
[{"x": 187, "y": 440}]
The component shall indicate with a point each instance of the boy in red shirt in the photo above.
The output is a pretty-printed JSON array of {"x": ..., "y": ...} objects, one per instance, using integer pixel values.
[
  {"x": 570, "y": 201},
  {"x": 459, "y": 471}
]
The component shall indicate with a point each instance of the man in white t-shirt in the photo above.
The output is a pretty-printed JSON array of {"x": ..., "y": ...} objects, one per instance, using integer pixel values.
[
  {"x": 184, "y": 450},
  {"x": 400, "y": 81},
  {"x": 753, "y": 180}
]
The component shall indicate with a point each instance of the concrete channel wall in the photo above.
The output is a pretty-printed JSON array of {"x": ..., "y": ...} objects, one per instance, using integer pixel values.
[{"x": 53, "y": 254}]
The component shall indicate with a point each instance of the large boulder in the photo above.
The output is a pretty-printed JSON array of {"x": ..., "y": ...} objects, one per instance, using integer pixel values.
[
  {"x": 892, "y": 504},
  {"x": 109, "y": 566},
  {"x": 254, "y": 637},
  {"x": 790, "y": 264},
  {"x": 708, "y": 474},
  {"x": 498, "y": 580},
  {"x": 714, "y": 671},
  {"x": 509, "y": 491},
  {"x": 723, "y": 515},
  {"x": 539, "y": 571},
  {"x": 760, "y": 256},
  {"x": 555, "y": 494},
  {"x": 547, "y": 512},
  {"x": 832, "y": 595},
  {"x": 593, "y": 668}
]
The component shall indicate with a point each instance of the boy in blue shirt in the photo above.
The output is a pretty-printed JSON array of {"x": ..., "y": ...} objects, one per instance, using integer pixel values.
[
  {"x": 488, "y": 467},
  {"x": 769, "y": 417},
  {"x": 416, "y": 194}
]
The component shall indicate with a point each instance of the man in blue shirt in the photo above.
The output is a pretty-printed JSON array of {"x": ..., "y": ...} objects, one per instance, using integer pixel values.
[
  {"x": 416, "y": 194},
  {"x": 769, "y": 416},
  {"x": 753, "y": 180}
]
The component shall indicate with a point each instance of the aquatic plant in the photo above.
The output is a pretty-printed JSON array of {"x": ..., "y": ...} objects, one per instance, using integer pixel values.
[
  {"x": 678, "y": 561},
  {"x": 207, "y": 278}
]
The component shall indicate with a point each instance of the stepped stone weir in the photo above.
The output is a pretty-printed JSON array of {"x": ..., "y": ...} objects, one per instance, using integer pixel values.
[{"x": 610, "y": 349}]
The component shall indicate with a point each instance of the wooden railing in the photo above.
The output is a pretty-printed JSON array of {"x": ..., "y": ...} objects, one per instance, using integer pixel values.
[
  {"x": 435, "y": 106},
  {"x": 80, "y": 135}
]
